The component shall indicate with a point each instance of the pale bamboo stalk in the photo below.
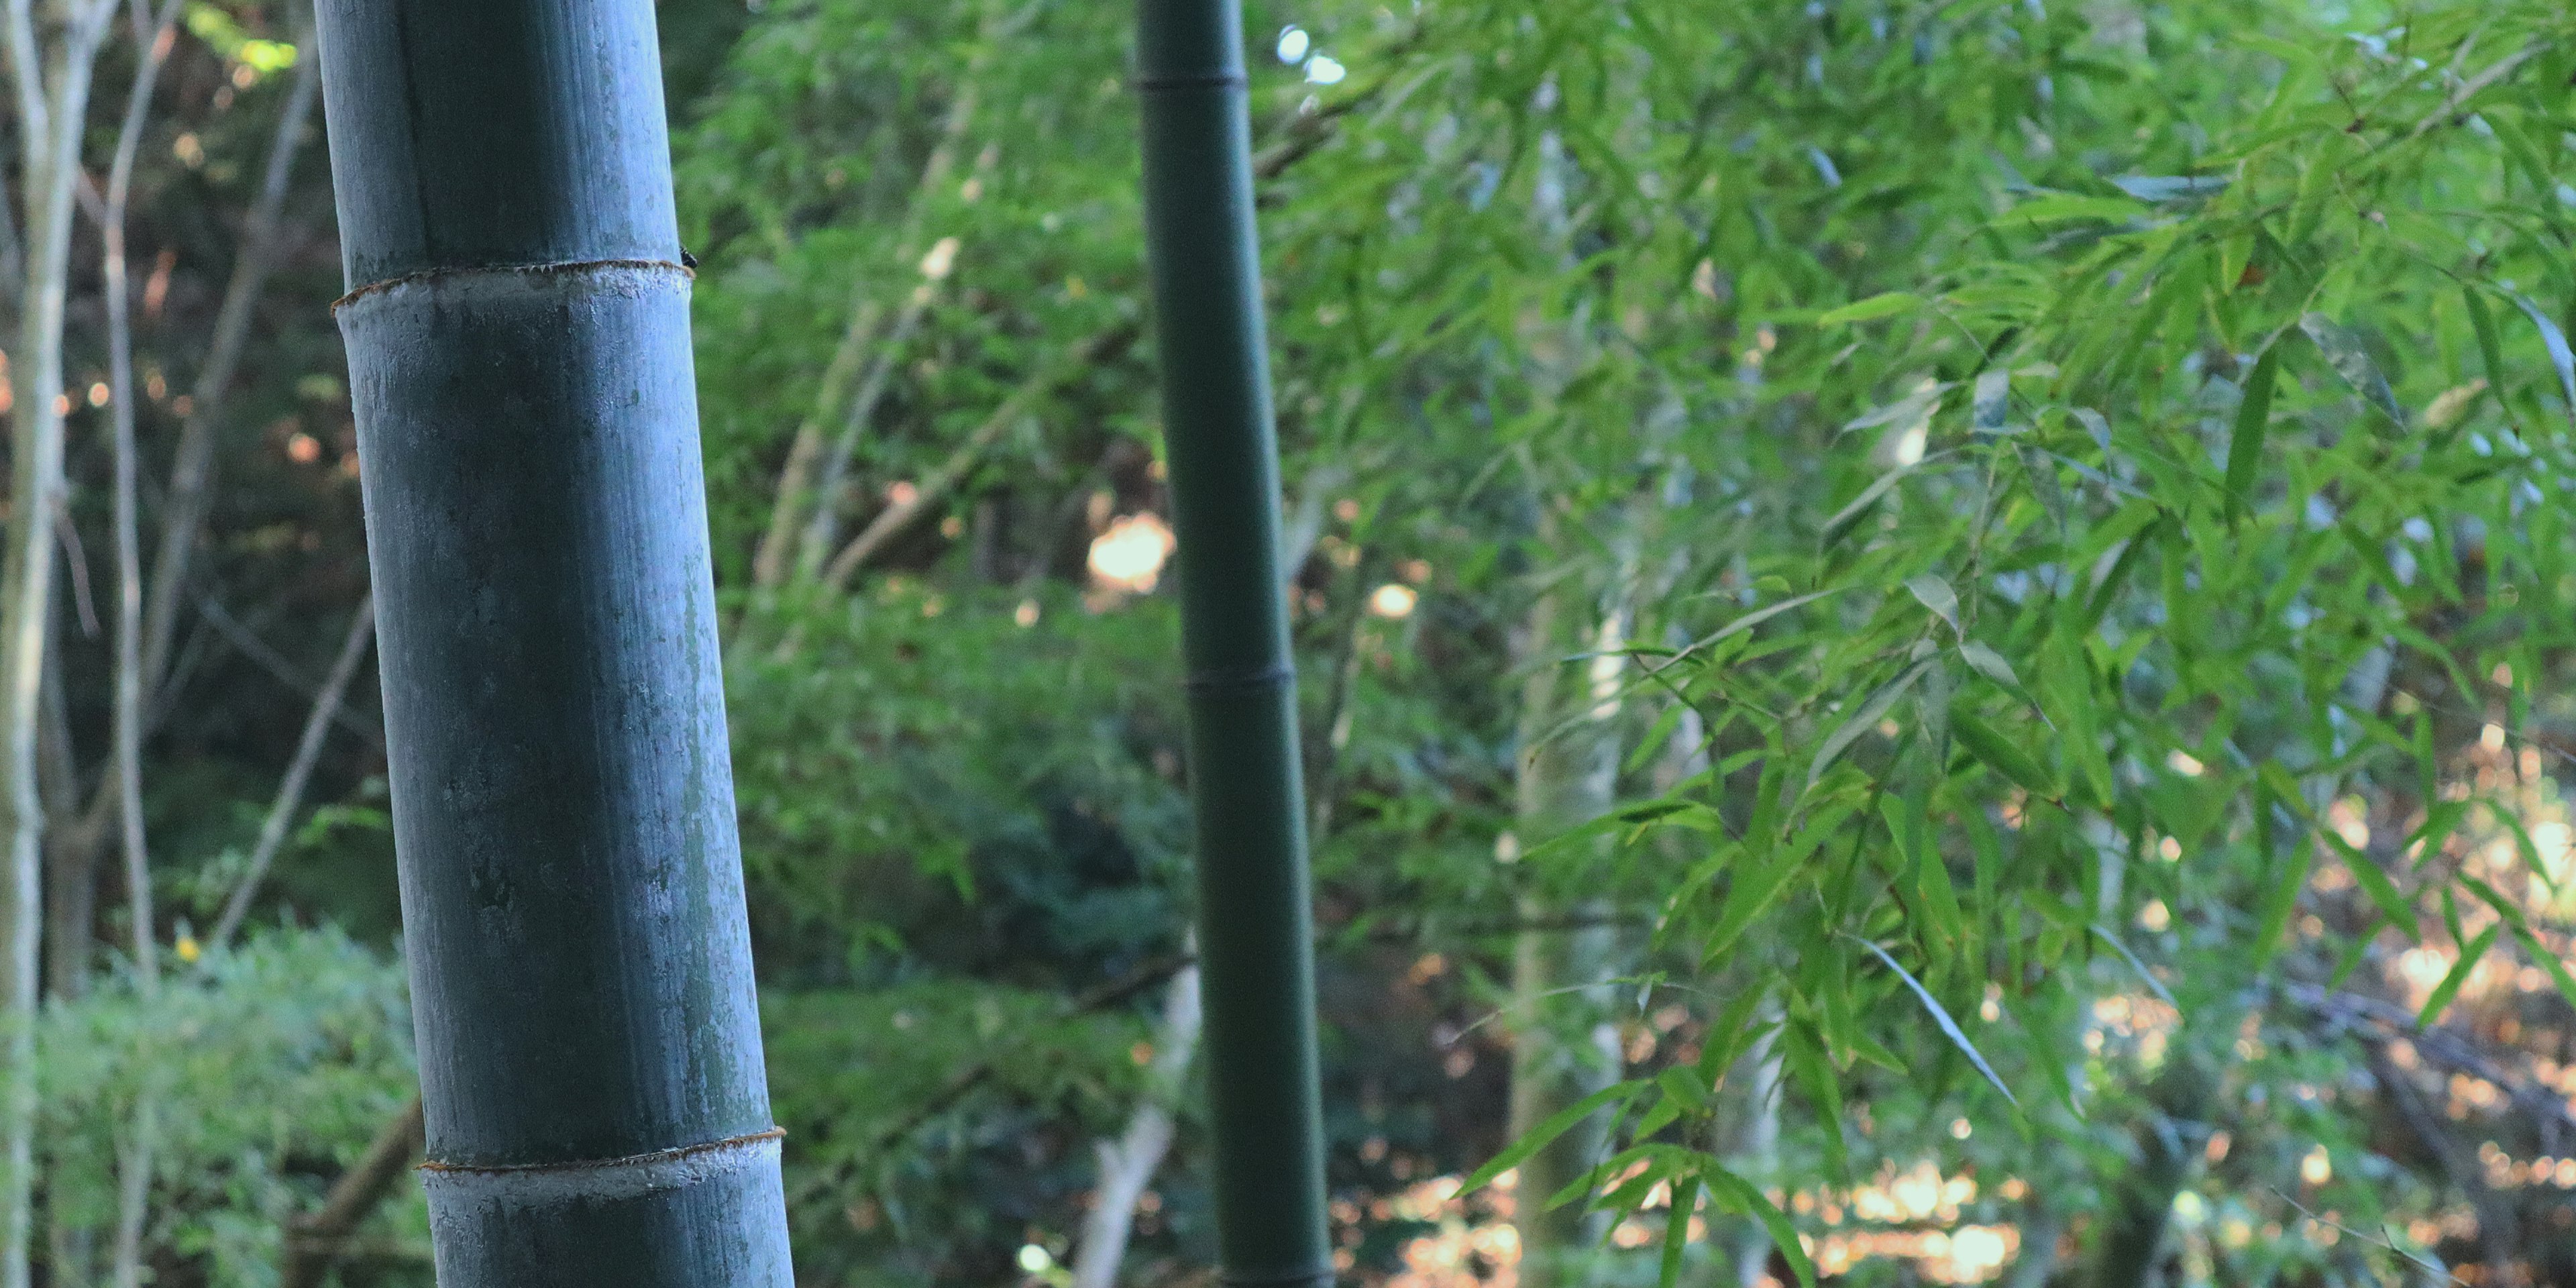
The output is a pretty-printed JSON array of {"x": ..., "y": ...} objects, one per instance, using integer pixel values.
[
  {"x": 52, "y": 108},
  {"x": 290, "y": 791},
  {"x": 1568, "y": 774},
  {"x": 1127, "y": 1165},
  {"x": 134, "y": 1162}
]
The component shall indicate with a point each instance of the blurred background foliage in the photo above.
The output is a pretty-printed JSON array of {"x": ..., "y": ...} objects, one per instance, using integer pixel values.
[{"x": 1935, "y": 645}]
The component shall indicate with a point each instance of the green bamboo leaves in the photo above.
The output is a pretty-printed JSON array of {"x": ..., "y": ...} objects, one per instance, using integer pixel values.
[
  {"x": 2253, "y": 421},
  {"x": 2345, "y": 352}
]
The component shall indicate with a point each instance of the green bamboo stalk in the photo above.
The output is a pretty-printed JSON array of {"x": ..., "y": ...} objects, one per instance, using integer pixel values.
[
  {"x": 595, "y": 1107},
  {"x": 1254, "y": 919}
]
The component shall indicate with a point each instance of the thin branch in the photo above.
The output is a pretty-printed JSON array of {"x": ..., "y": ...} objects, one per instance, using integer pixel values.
[
  {"x": 796, "y": 482},
  {"x": 76, "y": 562},
  {"x": 2474, "y": 86},
  {"x": 833, "y": 491},
  {"x": 314, "y": 1241},
  {"x": 290, "y": 792},
  {"x": 239, "y": 634},
  {"x": 193, "y": 463},
  {"x": 128, "y": 774},
  {"x": 934, "y": 487}
]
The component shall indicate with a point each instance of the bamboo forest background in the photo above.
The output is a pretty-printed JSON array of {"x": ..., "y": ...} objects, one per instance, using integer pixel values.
[{"x": 1936, "y": 639}]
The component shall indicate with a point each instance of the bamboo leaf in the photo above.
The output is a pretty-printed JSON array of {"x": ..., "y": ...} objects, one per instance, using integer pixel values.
[
  {"x": 2059, "y": 207},
  {"x": 2154, "y": 985},
  {"x": 2458, "y": 975},
  {"x": 1990, "y": 664},
  {"x": 1732, "y": 1031},
  {"x": 1539, "y": 1137},
  {"x": 1784, "y": 1236},
  {"x": 2513, "y": 918},
  {"x": 1915, "y": 406},
  {"x": 2351, "y": 360},
  {"x": 2282, "y": 900},
  {"x": 2253, "y": 421},
  {"x": 1804, "y": 1053},
  {"x": 2555, "y": 341},
  {"x": 1754, "y": 892},
  {"x": 2375, "y": 883},
  {"x": 1677, "y": 1229},
  {"x": 1876, "y": 306},
  {"x": 1677, "y": 1082},
  {"x": 2490, "y": 341},
  {"x": 1839, "y": 525},
  {"x": 1940, "y": 1015},
  {"x": 1752, "y": 619},
  {"x": 1872, "y": 709},
  {"x": 1937, "y": 596},
  {"x": 2003, "y": 756}
]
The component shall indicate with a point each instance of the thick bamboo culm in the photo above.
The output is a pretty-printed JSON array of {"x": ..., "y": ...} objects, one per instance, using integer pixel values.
[
  {"x": 1254, "y": 922},
  {"x": 517, "y": 323}
]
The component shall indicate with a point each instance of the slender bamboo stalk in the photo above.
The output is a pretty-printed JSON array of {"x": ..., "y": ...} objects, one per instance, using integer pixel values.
[
  {"x": 1568, "y": 774},
  {"x": 1250, "y": 816},
  {"x": 52, "y": 81},
  {"x": 134, "y": 1164},
  {"x": 593, "y": 1094}
]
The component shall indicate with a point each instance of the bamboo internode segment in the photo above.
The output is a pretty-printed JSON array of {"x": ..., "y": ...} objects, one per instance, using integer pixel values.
[
  {"x": 1248, "y": 805},
  {"x": 595, "y": 1105}
]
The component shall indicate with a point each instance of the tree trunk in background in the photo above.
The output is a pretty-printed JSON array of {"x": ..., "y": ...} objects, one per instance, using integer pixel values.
[
  {"x": 593, "y": 1094},
  {"x": 135, "y": 1162},
  {"x": 1127, "y": 1164},
  {"x": 1749, "y": 1139},
  {"x": 1569, "y": 773},
  {"x": 52, "y": 80},
  {"x": 1248, "y": 810}
]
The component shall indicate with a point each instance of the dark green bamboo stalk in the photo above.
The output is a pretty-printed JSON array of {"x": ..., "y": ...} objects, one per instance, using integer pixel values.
[
  {"x": 1254, "y": 937},
  {"x": 518, "y": 337}
]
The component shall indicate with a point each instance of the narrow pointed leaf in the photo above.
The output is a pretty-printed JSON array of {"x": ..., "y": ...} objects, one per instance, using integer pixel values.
[
  {"x": 1677, "y": 1230},
  {"x": 1937, "y": 596},
  {"x": 1990, "y": 664},
  {"x": 1774, "y": 1222},
  {"x": 2253, "y": 421},
  {"x": 2375, "y": 883},
  {"x": 2154, "y": 985},
  {"x": 2004, "y": 756},
  {"x": 2555, "y": 340},
  {"x": 2352, "y": 361},
  {"x": 1539, "y": 1137},
  {"x": 1941, "y": 1016},
  {"x": 1872, "y": 710},
  {"x": 2458, "y": 975},
  {"x": 2490, "y": 340},
  {"x": 1876, "y": 306}
]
